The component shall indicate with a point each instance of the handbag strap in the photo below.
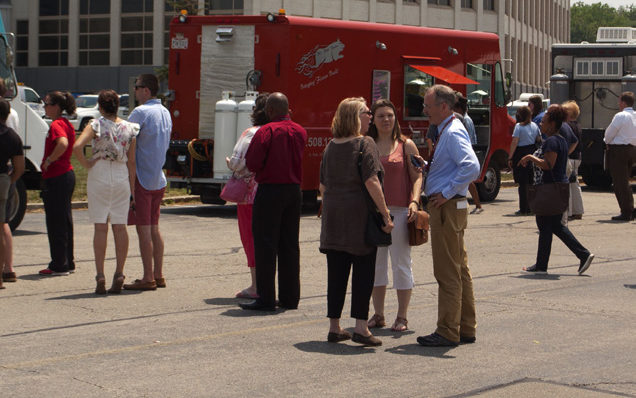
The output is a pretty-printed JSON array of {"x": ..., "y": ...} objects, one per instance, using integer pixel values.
[{"x": 408, "y": 179}]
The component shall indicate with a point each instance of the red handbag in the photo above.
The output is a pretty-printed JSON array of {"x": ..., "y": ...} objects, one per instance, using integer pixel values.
[{"x": 236, "y": 190}]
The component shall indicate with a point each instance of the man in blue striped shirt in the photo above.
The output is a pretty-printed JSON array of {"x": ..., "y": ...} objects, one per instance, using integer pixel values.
[{"x": 453, "y": 167}]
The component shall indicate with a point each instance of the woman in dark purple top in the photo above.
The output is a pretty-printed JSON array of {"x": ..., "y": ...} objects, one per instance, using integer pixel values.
[{"x": 550, "y": 163}]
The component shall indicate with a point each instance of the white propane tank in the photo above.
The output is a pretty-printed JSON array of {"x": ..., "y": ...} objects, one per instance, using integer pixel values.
[
  {"x": 245, "y": 108},
  {"x": 224, "y": 134}
]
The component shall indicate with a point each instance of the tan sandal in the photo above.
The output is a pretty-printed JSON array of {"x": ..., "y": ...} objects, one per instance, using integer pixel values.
[
  {"x": 118, "y": 282},
  {"x": 376, "y": 321},
  {"x": 400, "y": 325},
  {"x": 101, "y": 284}
]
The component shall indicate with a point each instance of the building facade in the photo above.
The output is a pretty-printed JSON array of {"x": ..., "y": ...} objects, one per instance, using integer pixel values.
[{"x": 86, "y": 45}]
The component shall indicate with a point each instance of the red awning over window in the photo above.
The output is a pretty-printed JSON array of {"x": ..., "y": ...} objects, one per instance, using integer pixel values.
[{"x": 444, "y": 74}]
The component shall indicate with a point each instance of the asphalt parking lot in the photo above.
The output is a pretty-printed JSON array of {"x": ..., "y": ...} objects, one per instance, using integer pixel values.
[{"x": 560, "y": 335}]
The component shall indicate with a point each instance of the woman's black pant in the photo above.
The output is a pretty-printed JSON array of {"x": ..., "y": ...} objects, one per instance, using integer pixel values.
[
  {"x": 549, "y": 225},
  {"x": 338, "y": 266},
  {"x": 56, "y": 195}
]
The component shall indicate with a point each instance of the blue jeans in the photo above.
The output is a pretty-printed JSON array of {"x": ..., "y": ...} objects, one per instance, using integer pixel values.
[{"x": 549, "y": 225}]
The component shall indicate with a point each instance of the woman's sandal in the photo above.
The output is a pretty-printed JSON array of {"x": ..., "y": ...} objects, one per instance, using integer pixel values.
[
  {"x": 376, "y": 321},
  {"x": 118, "y": 282},
  {"x": 400, "y": 325},
  {"x": 101, "y": 284}
]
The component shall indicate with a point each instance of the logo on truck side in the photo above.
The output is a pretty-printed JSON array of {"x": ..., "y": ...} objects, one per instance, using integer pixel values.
[{"x": 311, "y": 61}]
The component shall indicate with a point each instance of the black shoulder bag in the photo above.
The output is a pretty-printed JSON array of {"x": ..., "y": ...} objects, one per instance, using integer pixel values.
[{"x": 373, "y": 234}]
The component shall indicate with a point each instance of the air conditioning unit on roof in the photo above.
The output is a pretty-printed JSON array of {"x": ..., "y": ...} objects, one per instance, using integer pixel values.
[{"x": 615, "y": 34}]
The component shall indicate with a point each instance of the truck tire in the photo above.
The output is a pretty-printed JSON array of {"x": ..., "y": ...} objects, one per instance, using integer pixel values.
[
  {"x": 488, "y": 189},
  {"x": 595, "y": 177},
  {"x": 310, "y": 200},
  {"x": 84, "y": 122},
  {"x": 17, "y": 204}
]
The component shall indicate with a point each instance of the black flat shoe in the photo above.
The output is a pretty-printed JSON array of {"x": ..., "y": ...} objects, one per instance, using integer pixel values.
[
  {"x": 369, "y": 341},
  {"x": 333, "y": 337},
  {"x": 436, "y": 340},
  {"x": 467, "y": 339},
  {"x": 257, "y": 305}
]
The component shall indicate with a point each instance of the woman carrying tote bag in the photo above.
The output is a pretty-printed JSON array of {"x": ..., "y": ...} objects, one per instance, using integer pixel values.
[{"x": 549, "y": 163}]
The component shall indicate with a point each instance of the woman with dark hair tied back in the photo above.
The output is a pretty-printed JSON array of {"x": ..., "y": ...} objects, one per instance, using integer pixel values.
[
  {"x": 549, "y": 163},
  {"x": 110, "y": 183},
  {"x": 58, "y": 183},
  {"x": 244, "y": 209},
  {"x": 524, "y": 142}
]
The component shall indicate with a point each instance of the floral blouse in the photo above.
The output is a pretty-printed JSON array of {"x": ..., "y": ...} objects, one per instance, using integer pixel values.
[{"x": 112, "y": 140}]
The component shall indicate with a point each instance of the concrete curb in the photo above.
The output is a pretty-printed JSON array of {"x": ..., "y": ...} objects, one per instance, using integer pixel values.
[{"x": 84, "y": 204}]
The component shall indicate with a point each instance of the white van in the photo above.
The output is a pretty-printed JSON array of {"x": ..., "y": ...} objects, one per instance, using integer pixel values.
[
  {"x": 30, "y": 97},
  {"x": 523, "y": 101}
]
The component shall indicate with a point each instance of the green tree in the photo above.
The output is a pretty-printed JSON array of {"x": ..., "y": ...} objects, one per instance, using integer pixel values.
[{"x": 585, "y": 19}]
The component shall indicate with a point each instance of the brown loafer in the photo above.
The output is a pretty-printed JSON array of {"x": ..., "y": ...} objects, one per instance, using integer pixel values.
[
  {"x": 141, "y": 285},
  {"x": 161, "y": 282},
  {"x": 369, "y": 341},
  {"x": 9, "y": 277},
  {"x": 334, "y": 337}
]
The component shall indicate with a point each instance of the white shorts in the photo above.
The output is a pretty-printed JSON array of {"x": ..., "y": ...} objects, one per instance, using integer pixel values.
[
  {"x": 108, "y": 192},
  {"x": 400, "y": 252}
]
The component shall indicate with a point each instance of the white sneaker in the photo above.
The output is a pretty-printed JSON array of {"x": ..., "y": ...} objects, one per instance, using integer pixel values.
[{"x": 477, "y": 210}]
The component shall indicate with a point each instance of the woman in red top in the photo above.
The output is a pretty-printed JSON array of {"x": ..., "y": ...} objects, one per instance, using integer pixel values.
[
  {"x": 402, "y": 186},
  {"x": 58, "y": 183}
]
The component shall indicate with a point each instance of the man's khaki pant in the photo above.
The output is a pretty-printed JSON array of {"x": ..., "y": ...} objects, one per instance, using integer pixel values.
[{"x": 456, "y": 305}]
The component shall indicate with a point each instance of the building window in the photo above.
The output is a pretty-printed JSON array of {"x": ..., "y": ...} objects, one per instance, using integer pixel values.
[
  {"x": 489, "y": 5},
  {"x": 598, "y": 68},
  {"x": 136, "y": 32},
  {"x": 224, "y": 7},
  {"x": 411, "y": 2},
  {"x": 94, "y": 38},
  {"x": 467, "y": 3},
  {"x": 53, "y": 36},
  {"x": 440, "y": 2},
  {"x": 22, "y": 43}
]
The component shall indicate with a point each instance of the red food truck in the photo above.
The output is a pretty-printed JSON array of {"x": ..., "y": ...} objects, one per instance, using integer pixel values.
[{"x": 218, "y": 62}]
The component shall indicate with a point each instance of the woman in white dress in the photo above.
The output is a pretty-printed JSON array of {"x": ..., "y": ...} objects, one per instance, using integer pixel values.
[{"x": 110, "y": 183}]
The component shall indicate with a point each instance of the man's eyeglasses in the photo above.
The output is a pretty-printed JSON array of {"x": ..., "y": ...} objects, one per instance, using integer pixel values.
[{"x": 368, "y": 113}]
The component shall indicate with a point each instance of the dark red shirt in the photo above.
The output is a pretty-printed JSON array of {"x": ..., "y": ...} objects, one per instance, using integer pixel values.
[
  {"x": 59, "y": 128},
  {"x": 275, "y": 154}
]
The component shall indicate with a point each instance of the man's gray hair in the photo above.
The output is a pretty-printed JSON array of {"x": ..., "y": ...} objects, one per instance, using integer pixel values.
[{"x": 443, "y": 94}]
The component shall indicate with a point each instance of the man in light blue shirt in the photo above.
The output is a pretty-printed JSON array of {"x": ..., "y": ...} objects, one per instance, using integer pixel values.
[
  {"x": 453, "y": 167},
  {"x": 150, "y": 155}
]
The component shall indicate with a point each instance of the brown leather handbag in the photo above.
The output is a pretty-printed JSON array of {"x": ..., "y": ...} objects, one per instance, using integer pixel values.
[{"x": 418, "y": 229}]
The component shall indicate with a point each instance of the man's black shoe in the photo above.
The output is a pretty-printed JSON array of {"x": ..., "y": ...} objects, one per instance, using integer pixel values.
[
  {"x": 257, "y": 305},
  {"x": 436, "y": 340},
  {"x": 467, "y": 339},
  {"x": 622, "y": 217}
]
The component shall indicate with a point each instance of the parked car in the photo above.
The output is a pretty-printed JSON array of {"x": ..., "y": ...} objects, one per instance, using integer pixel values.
[
  {"x": 30, "y": 97},
  {"x": 87, "y": 110},
  {"x": 523, "y": 101}
]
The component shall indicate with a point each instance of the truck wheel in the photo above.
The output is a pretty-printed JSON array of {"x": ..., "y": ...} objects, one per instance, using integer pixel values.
[
  {"x": 84, "y": 122},
  {"x": 17, "y": 203},
  {"x": 488, "y": 189},
  {"x": 595, "y": 177},
  {"x": 310, "y": 200}
]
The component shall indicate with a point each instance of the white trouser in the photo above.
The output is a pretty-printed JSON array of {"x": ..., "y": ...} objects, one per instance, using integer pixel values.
[
  {"x": 576, "y": 200},
  {"x": 400, "y": 252}
]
